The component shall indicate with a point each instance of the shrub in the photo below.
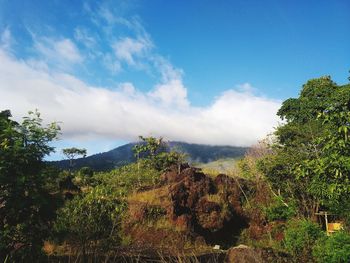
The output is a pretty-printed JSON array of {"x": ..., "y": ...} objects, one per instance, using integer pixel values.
[
  {"x": 128, "y": 178},
  {"x": 333, "y": 249},
  {"x": 91, "y": 219},
  {"x": 279, "y": 211},
  {"x": 300, "y": 237}
]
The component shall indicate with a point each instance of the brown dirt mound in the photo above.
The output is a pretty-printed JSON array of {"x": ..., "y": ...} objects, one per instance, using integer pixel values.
[{"x": 188, "y": 206}]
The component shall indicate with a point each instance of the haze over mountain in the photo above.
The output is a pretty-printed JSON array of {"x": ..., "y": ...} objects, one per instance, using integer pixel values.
[{"x": 122, "y": 155}]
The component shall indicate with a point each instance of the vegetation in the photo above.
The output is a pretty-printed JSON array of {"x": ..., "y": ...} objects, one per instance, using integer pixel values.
[
  {"x": 91, "y": 222},
  {"x": 72, "y": 153},
  {"x": 311, "y": 157},
  {"x": 333, "y": 249},
  {"x": 26, "y": 207},
  {"x": 156, "y": 154},
  {"x": 300, "y": 238},
  {"x": 274, "y": 192},
  {"x": 305, "y": 169}
]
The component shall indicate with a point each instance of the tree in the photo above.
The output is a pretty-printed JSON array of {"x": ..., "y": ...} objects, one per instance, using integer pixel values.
[
  {"x": 311, "y": 156},
  {"x": 157, "y": 153},
  {"x": 72, "y": 153},
  {"x": 331, "y": 170},
  {"x": 25, "y": 208}
]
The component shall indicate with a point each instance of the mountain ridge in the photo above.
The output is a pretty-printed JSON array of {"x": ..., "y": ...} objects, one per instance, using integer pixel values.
[{"x": 198, "y": 153}]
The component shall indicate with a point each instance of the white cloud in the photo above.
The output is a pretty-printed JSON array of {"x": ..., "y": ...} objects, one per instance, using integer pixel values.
[
  {"x": 129, "y": 50},
  {"x": 61, "y": 52},
  {"x": 235, "y": 117},
  {"x": 171, "y": 91},
  {"x": 67, "y": 49}
]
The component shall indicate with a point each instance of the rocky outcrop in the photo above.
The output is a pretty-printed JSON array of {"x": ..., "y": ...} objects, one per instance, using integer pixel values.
[{"x": 194, "y": 205}]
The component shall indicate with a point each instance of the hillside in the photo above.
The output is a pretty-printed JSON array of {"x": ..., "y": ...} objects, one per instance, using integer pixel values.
[{"x": 198, "y": 153}]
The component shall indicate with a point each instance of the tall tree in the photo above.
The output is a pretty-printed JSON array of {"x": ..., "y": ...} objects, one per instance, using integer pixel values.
[
  {"x": 24, "y": 203},
  {"x": 306, "y": 164}
]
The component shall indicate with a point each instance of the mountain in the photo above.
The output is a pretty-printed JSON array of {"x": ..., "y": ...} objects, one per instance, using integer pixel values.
[{"x": 198, "y": 153}]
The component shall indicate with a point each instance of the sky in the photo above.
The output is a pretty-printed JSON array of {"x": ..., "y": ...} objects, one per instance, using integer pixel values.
[{"x": 200, "y": 71}]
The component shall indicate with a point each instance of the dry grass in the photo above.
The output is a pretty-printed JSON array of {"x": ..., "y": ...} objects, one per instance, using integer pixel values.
[{"x": 157, "y": 197}]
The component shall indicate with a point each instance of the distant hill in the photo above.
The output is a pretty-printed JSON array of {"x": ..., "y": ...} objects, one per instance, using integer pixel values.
[{"x": 198, "y": 153}]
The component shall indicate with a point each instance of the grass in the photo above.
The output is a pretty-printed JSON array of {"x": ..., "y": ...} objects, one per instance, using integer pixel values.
[{"x": 156, "y": 197}]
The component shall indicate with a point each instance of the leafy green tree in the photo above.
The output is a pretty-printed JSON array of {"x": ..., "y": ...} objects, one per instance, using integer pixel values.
[
  {"x": 331, "y": 170},
  {"x": 148, "y": 147},
  {"x": 25, "y": 205},
  {"x": 157, "y": 154},
  {"x": 311, "y": 157},
  {"x": 72, "y": 153}
]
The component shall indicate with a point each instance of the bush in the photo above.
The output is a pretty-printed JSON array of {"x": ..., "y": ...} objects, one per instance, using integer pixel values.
[
  {"x": 91, "y": 219},
  {"x": 279, "y": 211},
  {"x": 300, "y": 237},
  {"x": 128, "y": 178},
  {"x": 333, "y": 249}
]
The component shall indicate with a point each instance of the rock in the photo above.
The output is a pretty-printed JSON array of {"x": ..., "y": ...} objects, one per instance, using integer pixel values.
[
  {"x": 208, "y": 215},
  {"x": 243, "y": 254},
  {"x": 193, "y": 205}
]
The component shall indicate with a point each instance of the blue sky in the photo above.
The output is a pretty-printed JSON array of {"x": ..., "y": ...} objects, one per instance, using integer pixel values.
[{"x": 200, "y": 71}]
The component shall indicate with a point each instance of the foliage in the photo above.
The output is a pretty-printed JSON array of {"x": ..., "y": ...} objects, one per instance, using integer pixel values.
[
  {"x": 25, "y": 205},
  {"x": 310, "y": 160},
  {"x": 279, "y": 210},
  {"x": 85, "y": 176},
  {"x": 249, "y": 165},
  {"x": 333, "y": 249},
  {"x": 149, "y": 147},
  {"x": 300, "y": 237},
  {"x": 331, "y": 169},
  {"x": 128, "y": 178},
  {"x": 155, "y": 153},
  {"x": 72, "y": 153},
  {"x": 93, "y": 217},
  {"x": 165, "y": 160}
]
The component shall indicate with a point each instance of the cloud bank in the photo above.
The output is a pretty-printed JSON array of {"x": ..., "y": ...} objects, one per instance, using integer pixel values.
[
  {"x": 235, "y": 117},
  {"x": 51, "y": 79}
]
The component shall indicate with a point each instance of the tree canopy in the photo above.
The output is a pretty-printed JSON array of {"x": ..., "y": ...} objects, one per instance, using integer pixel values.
[
  {"x": 312, "y": 158},
  {"x": 25, "y": 205}
]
